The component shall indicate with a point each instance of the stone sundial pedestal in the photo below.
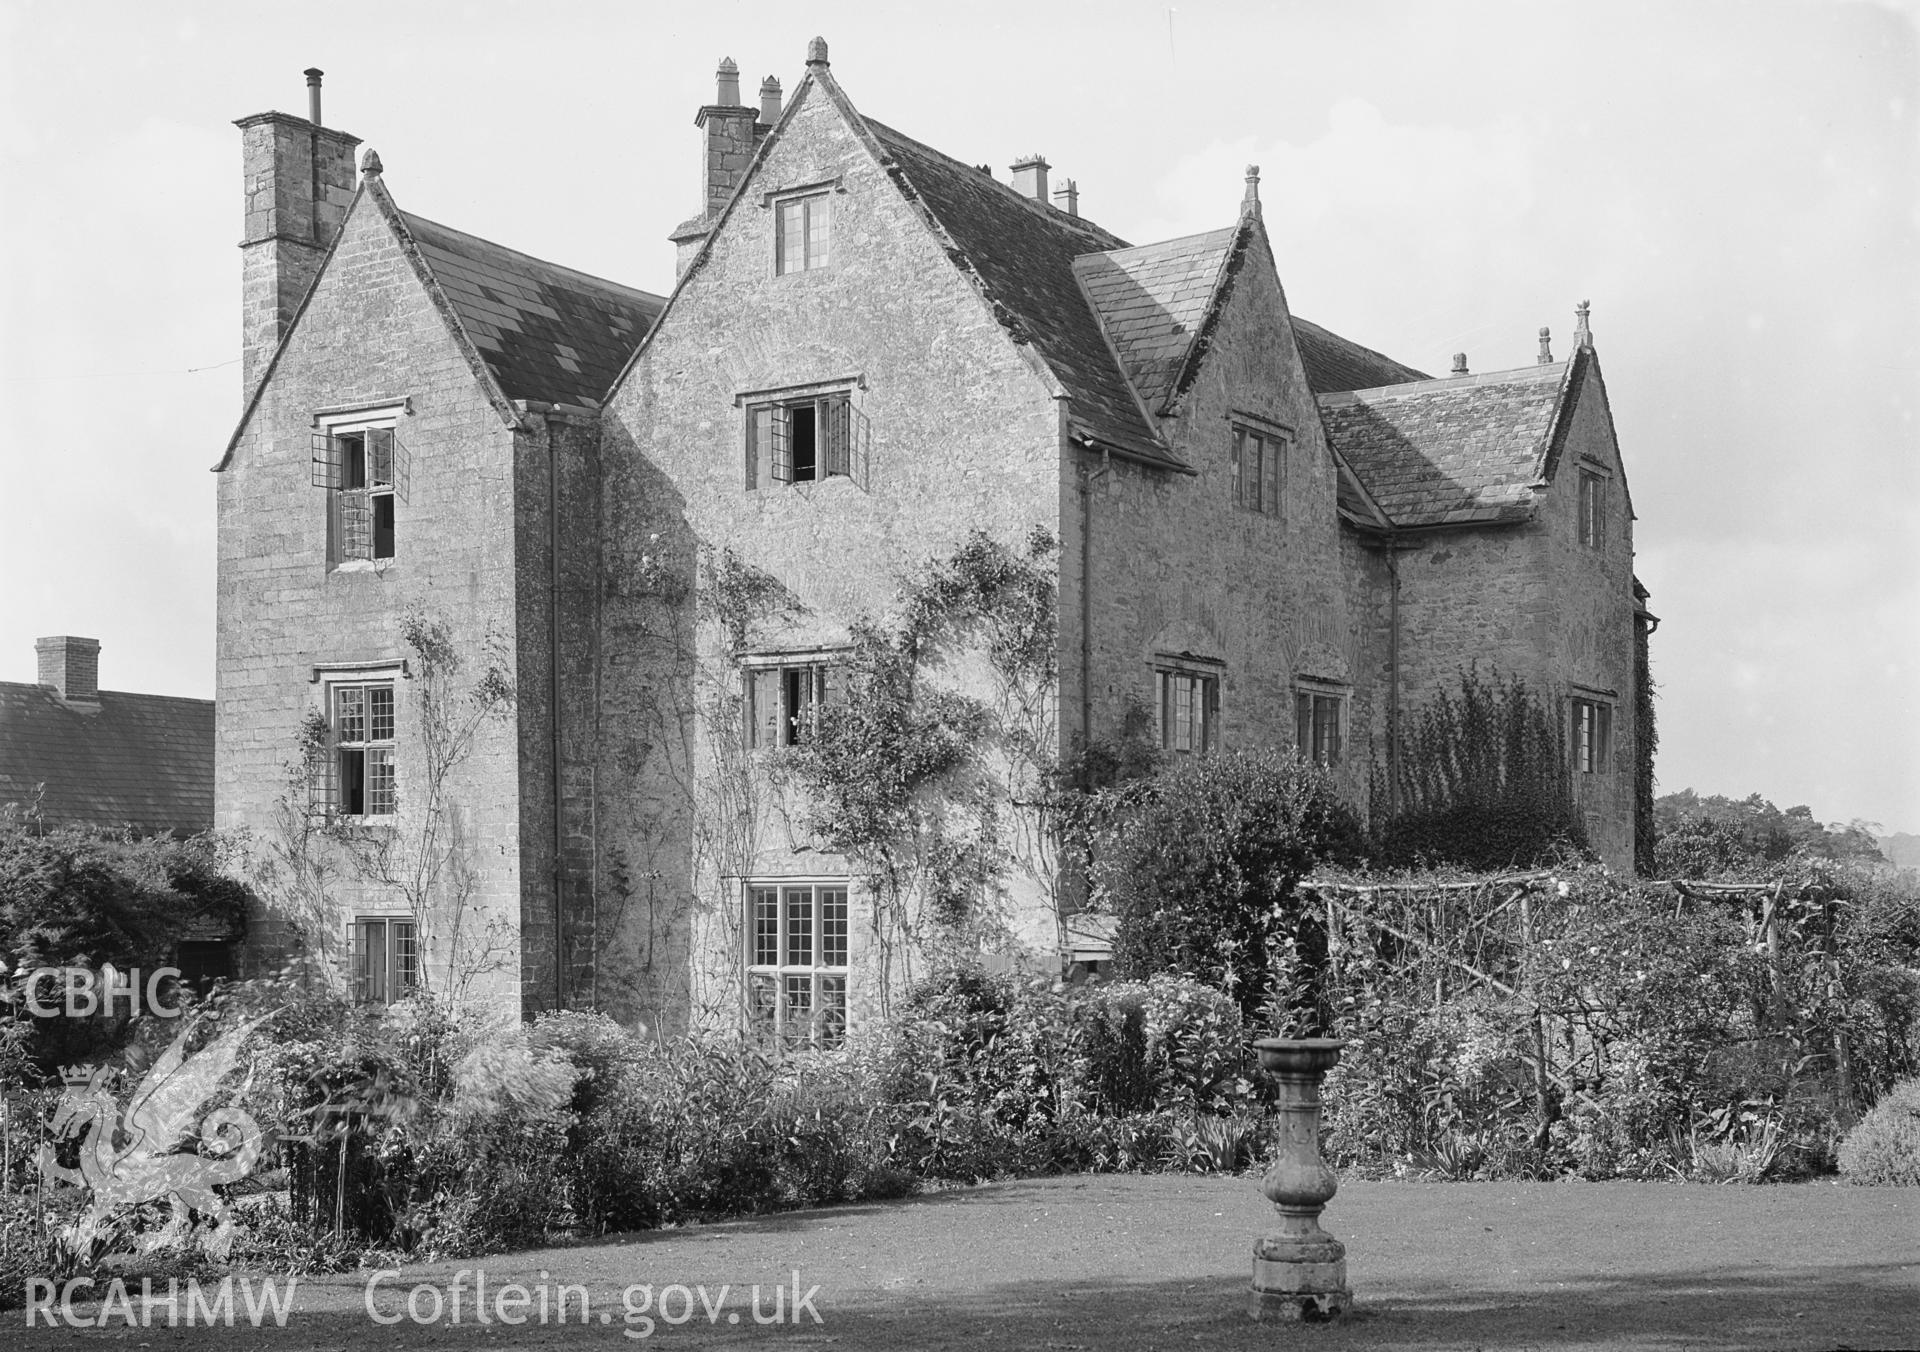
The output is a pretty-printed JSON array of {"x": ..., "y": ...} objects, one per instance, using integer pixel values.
[{"x": 1299, "y": 1270}]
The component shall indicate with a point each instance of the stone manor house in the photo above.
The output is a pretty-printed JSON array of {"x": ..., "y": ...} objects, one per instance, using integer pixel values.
[{"x": 1268, "y": 535}]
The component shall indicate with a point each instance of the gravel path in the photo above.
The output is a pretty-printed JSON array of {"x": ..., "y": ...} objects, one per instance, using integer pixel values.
[{"x": 1107, "y": 1262}]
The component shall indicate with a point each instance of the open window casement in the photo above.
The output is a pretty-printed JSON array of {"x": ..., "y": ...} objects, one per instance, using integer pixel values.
[
  {"x": 806, "y": 440},
  {"x": 374, "y": 460}
]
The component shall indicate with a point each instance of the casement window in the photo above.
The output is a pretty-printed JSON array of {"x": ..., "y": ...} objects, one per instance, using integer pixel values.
[
  {"x": 797, "y": 962},
  {"x": 1592, "y": 739},
  {"x": 354, "y": 774},
  {"x": 784, "y": 699},
  {"x": 1319, "y": 718},
  {"x": 1187, "y": 709},
  {"x": 1593, "y": 509},
  {"x": 1259, "y": 470},
  {"x": 364, "y": 470},
  {"x": 802, "y": 230},
  {"x": 806, "y": 440},
  {"x": 383, "y": 959}
]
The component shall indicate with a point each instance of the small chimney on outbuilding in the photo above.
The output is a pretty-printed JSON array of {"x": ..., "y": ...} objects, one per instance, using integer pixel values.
[
  {"x": 1030, "y": 177},
  {"x": 71, "y": 665}
]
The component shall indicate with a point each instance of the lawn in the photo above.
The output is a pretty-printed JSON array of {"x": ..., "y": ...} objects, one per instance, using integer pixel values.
[{"x": 1133, "y": 1262}]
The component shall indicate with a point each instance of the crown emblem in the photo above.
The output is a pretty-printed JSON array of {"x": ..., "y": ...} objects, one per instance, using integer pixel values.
[{"x": 78, "y": 1076}]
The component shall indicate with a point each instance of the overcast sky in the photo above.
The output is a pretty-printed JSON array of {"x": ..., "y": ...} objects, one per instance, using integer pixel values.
[{"x": 1732, "y": 185}]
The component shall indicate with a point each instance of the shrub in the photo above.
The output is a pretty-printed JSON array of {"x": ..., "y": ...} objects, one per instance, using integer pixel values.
[
  {"x": 1199, "y": 864},
  {"x": 1883, "y": 1149}
]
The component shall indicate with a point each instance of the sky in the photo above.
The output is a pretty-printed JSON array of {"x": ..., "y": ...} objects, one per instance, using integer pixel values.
[{"x": 1734, "y": 186}]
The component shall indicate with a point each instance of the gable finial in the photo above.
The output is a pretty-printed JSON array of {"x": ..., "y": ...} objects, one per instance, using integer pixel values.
[
  {"x": 817, "y": 53},
  {"x": 1250, "y": 200},
  {"x": 1546, "y": 346},
  {"x": 1582, "y": 329},
  {"x": 370, "y": 163}
]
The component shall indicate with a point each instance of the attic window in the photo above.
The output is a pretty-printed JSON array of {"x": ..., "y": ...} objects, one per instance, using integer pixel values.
[
  {"x": 1259, "y": 470},
  {"x": 1593, "y": 509},
  {"x": 802, "y": 230}
]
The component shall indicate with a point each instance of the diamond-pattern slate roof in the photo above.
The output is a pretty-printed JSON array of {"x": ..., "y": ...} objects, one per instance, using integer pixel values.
[
  {"x": 1023, "y": 254},
  {"x": 1449, "y": 452},
  {"x": 140, "y": 761},
  {"x": 1152, "y": 299},
  {"x": 547, "y": 332}
]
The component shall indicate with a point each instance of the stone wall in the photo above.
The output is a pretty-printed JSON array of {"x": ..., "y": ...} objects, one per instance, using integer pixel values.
[
  {"x": 1179, "y": 568},
  {"x": 963, "y": 434},
  {"x": 370, "y": 334}
]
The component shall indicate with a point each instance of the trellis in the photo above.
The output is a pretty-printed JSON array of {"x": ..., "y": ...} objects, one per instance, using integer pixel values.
[{"x": 1486, "y": 932}]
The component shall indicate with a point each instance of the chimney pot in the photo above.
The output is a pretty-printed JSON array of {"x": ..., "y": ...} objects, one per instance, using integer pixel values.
[
  {"x": 1460, "y": 364},
  {"x": 1546, "y": 346},
  {"x": 313, "y": 74},
  {"x": 817, "y": 52},
  {"x": 71, "y": 665},
  {"x": 1030, "y": 177},
  {"x": 728, "y": 80},
  {"x": 1068, "y": 196},
  {"x": 769, "y": 100}
]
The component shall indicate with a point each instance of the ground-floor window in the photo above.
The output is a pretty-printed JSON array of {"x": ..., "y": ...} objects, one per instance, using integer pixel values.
[
  {"x": 797, "y": 962},
  {"x": 383, "y": 959}
]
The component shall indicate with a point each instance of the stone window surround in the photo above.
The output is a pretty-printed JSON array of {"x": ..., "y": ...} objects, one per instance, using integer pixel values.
[
  {"x": 815, "y": 662},
  {"x": 822, "y": 189},
  {"x": 799, "y": 393},
  {"x": 324, "y": 678},
  {"x": 1203, "y": 678},
  {"x": 1595, "y": 759},
  {"x": 820, "y": 975},
  {"x": 1590, "y": 503},
  {"x": 1270, "y": 432},
  {"x": 400, "y": 974},
  {"x": 1316, "y": 689},
  {"x": 343, "y": 420}
]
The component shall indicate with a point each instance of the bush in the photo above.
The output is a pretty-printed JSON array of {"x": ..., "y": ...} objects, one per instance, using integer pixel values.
[
  {"x": 1199, "y": 864},
  {"x": 1883, "y": 1149}
]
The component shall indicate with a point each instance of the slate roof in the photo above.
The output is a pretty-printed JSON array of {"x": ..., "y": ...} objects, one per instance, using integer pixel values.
[
  {"x": 1023, "y": 252},
  {"x": 1450, "y": 452},
  {"x": 1152, "y": 300},
  {"x": 547, "y": 332},
  {"x": 1334, "y": 363},
  {"x": 144, "y": 761}
]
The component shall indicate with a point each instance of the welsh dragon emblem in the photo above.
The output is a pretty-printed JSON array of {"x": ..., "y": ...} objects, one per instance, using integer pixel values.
[{"x": 142, "y": 1157}]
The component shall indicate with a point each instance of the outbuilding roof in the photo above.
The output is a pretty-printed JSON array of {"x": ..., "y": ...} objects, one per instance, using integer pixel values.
[{"x": 123, "y": 761}]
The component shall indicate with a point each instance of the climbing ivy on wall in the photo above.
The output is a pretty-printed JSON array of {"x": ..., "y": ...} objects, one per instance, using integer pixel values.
[
  {"x": 1482, "y": 781},
  {"x": 934, "y": 794}
]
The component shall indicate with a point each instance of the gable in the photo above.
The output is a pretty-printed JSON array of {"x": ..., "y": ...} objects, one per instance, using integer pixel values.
[{"x": 1152, "y": 301}]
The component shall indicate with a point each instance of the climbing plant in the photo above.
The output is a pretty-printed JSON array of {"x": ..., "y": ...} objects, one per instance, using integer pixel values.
[
  {"x": 1482, "y": 780},
  {"x": 935, "y": 794}
]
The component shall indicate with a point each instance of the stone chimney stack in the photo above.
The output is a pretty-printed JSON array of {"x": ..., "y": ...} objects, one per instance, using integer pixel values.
[
  {"x": 1460, "y": 364},
  {"x": 71, "y": 666},
  {"x": 1067, "y": 196},
  {"x": 1030, "y": 177},
  {"x": 729, "y": 146},
  {"x": 298, "y": 180},
  {"x": 769, "y": 102},
  {"x": 1546, "y": 346}
]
